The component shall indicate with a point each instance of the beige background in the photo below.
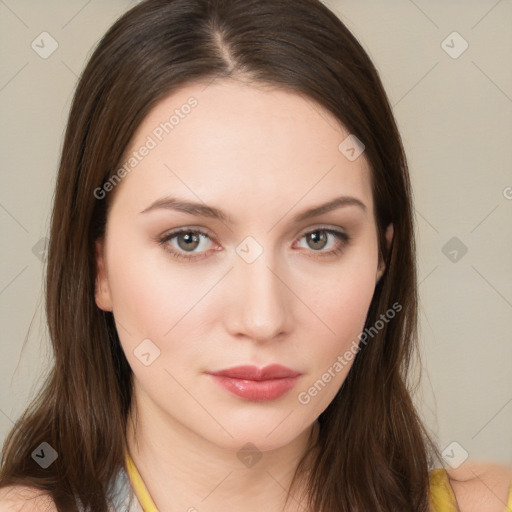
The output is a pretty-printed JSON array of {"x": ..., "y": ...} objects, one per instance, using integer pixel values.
[{"x": 455, "y": 116}]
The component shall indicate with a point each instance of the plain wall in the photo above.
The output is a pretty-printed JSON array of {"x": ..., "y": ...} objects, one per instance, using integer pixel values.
[{"x": 455, "y": 116}]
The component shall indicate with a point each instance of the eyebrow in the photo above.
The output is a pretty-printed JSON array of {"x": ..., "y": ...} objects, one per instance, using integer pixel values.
[{"x": 203, "y": 210}]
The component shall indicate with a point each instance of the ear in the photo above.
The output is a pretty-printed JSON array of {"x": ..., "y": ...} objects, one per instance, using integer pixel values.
[
  {"x": 389, "y": 239},
  {"x": 102, "y": 294}
]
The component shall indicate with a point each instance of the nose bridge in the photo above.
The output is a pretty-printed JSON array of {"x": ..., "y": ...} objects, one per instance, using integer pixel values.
[{"x": 260, "y": 307}]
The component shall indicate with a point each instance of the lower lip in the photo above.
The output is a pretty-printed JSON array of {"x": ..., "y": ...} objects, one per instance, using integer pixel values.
[{"x": 256, "y": 391}]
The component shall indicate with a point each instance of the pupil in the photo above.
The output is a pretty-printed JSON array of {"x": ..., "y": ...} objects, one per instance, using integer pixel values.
[
  {"x": 318, "y": 239},
  {"x": 190, "y": 238}
]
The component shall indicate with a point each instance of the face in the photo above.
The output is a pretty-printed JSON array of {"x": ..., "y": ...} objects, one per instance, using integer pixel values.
[{"x": 245, "y": 276}]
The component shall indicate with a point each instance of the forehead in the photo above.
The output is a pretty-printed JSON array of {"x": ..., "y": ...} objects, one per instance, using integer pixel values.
[{"x": 240, "y": 142}]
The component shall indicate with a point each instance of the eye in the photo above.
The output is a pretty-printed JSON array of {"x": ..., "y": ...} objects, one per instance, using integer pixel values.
[
  {"x": 187, "y": 240},
  {"x": 319, "y": 239},
  {"x": 182, "y": 243}
]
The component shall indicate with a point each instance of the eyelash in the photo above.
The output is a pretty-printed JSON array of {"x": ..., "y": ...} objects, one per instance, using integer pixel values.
[{"x": 163, "y": 241}]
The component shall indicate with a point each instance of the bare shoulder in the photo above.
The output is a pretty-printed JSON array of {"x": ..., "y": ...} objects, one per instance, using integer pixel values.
[
  {"x": 18, "y": 498},
  {"x": 481, "y": 486}
]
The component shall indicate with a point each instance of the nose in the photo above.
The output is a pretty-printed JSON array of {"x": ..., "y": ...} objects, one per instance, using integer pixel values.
[{"x": 260, "y": 301}]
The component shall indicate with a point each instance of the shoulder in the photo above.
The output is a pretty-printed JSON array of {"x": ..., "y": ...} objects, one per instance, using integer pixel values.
[
  {"x": 19, "y": 498},
  {"x": 481, "y": 486}
]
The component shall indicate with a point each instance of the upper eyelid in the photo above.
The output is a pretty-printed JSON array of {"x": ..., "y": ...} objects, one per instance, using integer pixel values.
[{"x": 204, "y": 232}]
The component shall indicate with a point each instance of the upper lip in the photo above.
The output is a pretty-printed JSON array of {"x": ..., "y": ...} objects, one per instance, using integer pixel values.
[{"x": 273, "y": 371}]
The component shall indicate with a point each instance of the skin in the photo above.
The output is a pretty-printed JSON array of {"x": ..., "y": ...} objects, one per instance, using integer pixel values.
[
  {"x": 186, "y": 458},
  {"x": 262, "y": 155},
  {"x": 188, "y": 431},
  {"x": 481, "y": 486}
]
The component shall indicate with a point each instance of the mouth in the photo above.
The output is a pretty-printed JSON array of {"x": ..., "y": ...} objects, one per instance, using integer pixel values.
[{"x": 256, "y": 384}]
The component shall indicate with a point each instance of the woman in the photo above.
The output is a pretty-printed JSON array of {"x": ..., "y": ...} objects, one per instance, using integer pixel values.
[{"x": 231, "y": 284}]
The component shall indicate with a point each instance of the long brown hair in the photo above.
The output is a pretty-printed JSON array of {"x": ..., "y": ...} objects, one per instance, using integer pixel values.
[{"x": 373, "y": 452}]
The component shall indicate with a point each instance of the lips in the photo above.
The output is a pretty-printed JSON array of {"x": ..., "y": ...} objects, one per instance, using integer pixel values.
[
  {"x": 274, "y": 371},
  {"x": 257, "y": 384}
]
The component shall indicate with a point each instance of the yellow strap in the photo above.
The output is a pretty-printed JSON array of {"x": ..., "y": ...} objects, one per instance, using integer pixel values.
[
  {"x": 138, "y": 486},
  {"x": 440, "y": 490},
  {"x": 443, "y": 499},
  {"x": 509, "y": 501},
  {"x": 441, "y": 494}
]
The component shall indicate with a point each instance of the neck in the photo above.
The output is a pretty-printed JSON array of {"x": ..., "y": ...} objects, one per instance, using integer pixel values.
[{"x": 183, "y": 471}]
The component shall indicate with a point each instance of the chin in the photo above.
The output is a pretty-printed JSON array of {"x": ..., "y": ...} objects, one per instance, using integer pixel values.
[{"x": 266, "y": 433}]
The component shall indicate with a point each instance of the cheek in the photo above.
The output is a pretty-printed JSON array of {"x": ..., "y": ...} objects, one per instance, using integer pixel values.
[
  {"x": 343, "y": 293},
  {"x": 155, "y": 297},
  {"x": 343, "y": 313},
  {"x": 341, "y": 304},
  {"x": 149, "y": 290}
]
